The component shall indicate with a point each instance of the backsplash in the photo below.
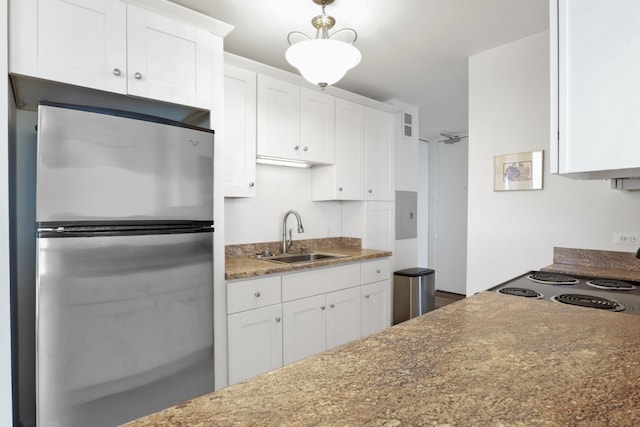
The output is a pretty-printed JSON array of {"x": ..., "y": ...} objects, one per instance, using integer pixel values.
[
  {"x": 298, "y": 246},
  {"x": 595, "y": 258}
]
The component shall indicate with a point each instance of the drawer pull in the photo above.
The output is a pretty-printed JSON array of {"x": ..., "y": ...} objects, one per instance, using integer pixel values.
[
  {"x": 378, "y": 271},
  {"x": 322, "y": 307},
  {"x": 367, "y": 296},
  {"x": 257, "y": 294},
  {"x": 332, "y": 305},
  {"x": 277, "y": 320}
]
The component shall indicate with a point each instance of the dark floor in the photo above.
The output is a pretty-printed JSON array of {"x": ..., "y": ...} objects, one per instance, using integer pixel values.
[{"x": 444, "y": 298}]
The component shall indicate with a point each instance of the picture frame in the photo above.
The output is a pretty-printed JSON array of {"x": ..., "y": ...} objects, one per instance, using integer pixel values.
[{"x": 519, "y": 171}]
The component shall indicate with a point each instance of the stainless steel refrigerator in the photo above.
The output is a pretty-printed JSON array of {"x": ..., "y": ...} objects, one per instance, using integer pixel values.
[{"x": 124, "y": 211}]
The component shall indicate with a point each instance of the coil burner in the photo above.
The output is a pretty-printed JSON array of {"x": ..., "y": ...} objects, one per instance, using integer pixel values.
[
  {"x": 611, "y": 284},
  {"x": 552, "y": 279},
  {"x": 521, "y": 292},
  {"x": 590, "y": 301}
]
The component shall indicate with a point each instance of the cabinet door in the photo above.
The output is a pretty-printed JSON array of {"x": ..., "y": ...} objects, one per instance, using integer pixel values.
[
  {"x": 255, "y": 342},
  {"x": 304, "y": 328},
  {"x": 379, "y": 155},
  {"x": 81, "y": 42},
  {"x": 317, "y": 127},
  {"x": 344, "y": 180},
  {"x": 598, "y": 68},
  {"x": 278, "y": 119},
  {"x": 376, "y": 307},
  {"x": 343, "y": 317},
  {"x": 379, "y": 226},
  {"x": 168, "y": 60},
  {"x": 239, "y": 134}
]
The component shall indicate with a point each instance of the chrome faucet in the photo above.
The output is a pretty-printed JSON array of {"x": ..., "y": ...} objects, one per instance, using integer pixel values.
[{"x": 287, "y": 244}]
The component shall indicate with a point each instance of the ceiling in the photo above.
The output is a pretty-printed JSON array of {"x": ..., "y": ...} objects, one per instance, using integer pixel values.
[{"x": 414, "y": 51}]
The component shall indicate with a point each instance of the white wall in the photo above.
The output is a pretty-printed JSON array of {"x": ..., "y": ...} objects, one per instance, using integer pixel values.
[
  {"x": 512, "y": 232},
  {"x": 278, "y": 189}
]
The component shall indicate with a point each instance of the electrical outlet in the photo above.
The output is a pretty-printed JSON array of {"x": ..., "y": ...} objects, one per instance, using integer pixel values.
[{"x": 626, "y": 238}]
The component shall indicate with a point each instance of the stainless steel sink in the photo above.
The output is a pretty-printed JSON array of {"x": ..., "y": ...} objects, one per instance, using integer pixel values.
[{"x": 296, "y": 258}]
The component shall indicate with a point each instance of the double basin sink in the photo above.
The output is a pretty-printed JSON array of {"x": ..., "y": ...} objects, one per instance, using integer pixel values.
[{"x": 299, "y": 258}]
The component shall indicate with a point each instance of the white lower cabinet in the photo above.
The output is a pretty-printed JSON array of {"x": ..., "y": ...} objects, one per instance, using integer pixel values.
[
  {"x": 276, "y": 320},
  {"x": 375, "y": 307},
  {"x": 376, "y": 295},
  {"x": 304, "y": 327},
  {"x": 320, "y": 322},
  {"x": 255, "y": 342},
  {"x": 254, "y": 327},
  {"x": 343, "y": 317}
]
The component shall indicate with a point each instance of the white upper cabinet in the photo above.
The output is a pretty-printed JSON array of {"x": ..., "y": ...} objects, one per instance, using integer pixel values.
[
  {"x": 239, "y": 135},
  {"x": 168, "y": 60},
  {"x": 294, "y": 123},
  {"x": 112, "y": 46},
  {"x": 278, "y": 119},
  {"x": 344, "y": 180},
  {"x": 379, "y": 155},
  {"x": 317, "y": 126},
  {"x": 594, "y": 88},
  {"x": 81, "y": 42}
]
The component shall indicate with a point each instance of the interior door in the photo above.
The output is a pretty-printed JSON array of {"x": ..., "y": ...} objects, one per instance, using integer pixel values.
[{"x": 449, "y": 252}]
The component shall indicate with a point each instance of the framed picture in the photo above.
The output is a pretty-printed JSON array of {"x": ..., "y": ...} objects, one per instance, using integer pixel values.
[{"x": 521, "y": 171}]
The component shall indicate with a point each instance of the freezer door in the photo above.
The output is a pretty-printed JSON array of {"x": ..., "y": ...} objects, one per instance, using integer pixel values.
[
  {"x": 101, "y": 167},
  {"x": 124, "y": 326}
]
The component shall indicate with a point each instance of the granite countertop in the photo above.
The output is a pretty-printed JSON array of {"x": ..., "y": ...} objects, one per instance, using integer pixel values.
[
  {"x": 490, "y": 360},
  {"x": 242, "y": 267}
]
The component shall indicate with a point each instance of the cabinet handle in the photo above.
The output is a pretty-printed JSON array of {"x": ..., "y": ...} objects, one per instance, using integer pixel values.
[
  {"x": 332, "y": 305},
  {"x": 340, "y": 189},
  {"x": 322, "y": 307},
  {"x": 277, "y": 320},
  {"x": 116, "y": 71},
  {"x": 370, "y": 191},
  {"x": 378, "y": 271},
  {"x": 305, "y": 148},
  {"x": 138, "y": 76},
  {"x": 297, "y": 147},
  {"x": 367, "y": 296},
  {"x": 257, "y": 294},
  {"x": 251, "y": 184}
]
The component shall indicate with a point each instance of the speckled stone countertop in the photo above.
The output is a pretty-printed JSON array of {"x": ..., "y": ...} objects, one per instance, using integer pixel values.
[
  {"x": 487, "y": 360},
  {"x": 596, "y": 263},
  {"x": 242, "y": 267}
]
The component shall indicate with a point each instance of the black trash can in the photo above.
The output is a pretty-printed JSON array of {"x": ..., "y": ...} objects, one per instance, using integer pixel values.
[{"x": 414, "y": 293}]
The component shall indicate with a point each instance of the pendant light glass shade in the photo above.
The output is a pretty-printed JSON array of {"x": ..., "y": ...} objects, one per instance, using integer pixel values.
[{"x": 323, "y": 61}]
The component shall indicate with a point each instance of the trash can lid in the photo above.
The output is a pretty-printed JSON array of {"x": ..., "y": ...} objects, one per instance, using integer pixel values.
[{"x": 415, "y": 272}]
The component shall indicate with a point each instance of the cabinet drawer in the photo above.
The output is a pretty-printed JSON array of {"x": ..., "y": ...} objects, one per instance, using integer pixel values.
[
  {"x": 250, "y": 294},
  {"x": 373, "y": 271},
  {"x": 321, "y": 281}
]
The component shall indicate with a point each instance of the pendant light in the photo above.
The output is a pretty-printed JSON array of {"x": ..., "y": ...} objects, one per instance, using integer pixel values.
[{"x": 325, "y": 59}]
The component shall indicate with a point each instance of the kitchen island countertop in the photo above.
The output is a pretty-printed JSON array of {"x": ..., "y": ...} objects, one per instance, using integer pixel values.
[{"x": 490, "y": 360}]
